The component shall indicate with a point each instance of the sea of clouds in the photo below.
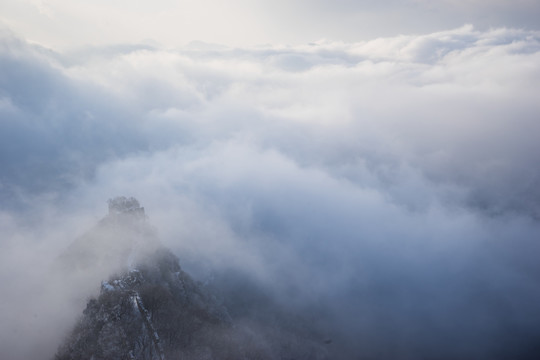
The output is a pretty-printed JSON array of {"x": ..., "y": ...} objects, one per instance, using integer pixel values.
[{"x": 392, "y": 183}]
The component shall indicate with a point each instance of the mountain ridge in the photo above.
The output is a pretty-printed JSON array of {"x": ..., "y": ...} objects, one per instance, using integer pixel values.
[{"x": 149, "y": 308}]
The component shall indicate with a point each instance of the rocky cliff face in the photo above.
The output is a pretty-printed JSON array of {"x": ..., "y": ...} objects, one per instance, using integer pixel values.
[
  {"x": 148, "y": 308},
  {"x": 153, "y": 311}
]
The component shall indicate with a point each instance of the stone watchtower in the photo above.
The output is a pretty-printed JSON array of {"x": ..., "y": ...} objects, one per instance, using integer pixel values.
[{"x": 122, "y": 205}]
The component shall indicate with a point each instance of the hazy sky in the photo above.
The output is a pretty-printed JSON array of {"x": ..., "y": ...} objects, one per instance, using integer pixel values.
[
  {"x": 376, "y": 159},
  {"x": 73, "y": 23}
]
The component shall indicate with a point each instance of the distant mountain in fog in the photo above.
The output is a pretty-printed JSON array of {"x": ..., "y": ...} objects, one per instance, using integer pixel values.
[
  {"x": 120, "y": 239},
  {"x": 149, "y": 308}
]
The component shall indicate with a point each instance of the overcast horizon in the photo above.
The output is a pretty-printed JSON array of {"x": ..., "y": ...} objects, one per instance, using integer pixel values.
[
  {"x": 378, "y": 160},
  {"x": 63, "y": 25}
]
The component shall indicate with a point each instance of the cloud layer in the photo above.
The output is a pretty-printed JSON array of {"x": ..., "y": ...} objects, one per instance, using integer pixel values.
[
  {"x": 392, "y": 184},
  {"x": 68, "y": 24}
]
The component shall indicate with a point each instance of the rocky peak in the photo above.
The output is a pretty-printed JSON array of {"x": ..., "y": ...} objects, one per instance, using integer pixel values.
[{"x": 150, "y": 309}]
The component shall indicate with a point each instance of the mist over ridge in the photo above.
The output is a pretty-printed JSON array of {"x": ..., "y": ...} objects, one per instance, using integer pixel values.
[{"x": 392, "y": 184}]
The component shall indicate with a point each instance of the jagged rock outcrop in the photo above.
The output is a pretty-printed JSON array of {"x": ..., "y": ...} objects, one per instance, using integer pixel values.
[
  {"x": 150, "y": 309},
  {"x": 154, "y": 311}
]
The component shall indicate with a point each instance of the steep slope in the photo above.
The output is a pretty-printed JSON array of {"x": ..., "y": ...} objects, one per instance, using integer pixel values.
[{"x": 153, "y": 310}]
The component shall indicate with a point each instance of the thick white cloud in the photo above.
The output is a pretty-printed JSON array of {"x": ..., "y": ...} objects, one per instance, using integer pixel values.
[
  {"x": 392, "y": 182},
  {"x": 459, "y": 106}
]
